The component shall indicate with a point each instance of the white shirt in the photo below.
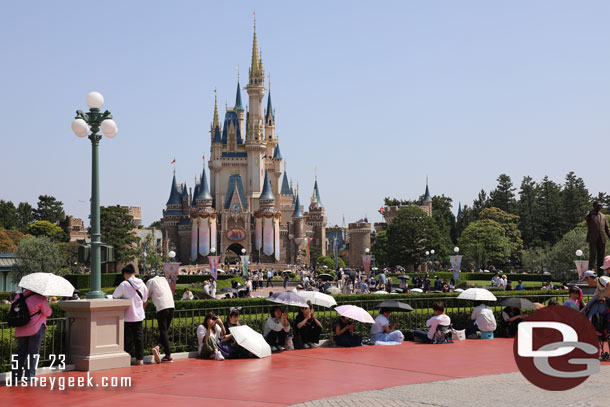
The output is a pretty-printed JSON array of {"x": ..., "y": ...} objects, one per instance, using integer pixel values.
[
  {"x": 160, "y": 293},
  {"x": 249, "y": 285},
  {"x": 274, "y": 325},
  {"x": 380, "y": 322},
  {"x": 135, "y": 312},
  {"x": 484, "y": 318},
  {"x": 201, "y": 330},
  {"x": 435, "y": 321},
  {"x": 206, "y": 289}
]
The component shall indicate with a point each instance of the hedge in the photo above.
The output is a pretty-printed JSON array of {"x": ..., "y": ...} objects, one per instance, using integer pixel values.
[{"x": 464, "y": 276}]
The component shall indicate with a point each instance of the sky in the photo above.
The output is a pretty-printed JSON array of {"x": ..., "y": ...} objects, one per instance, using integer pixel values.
[{"x": 376, "y": 95}]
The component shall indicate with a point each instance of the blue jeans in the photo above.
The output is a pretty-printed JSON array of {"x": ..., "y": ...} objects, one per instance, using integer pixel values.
[
  {"x": 394, "y": 336},
  {"x": 28, "y": 348}
]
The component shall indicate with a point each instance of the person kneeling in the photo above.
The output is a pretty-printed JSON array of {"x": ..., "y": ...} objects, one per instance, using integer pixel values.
[
  {"x": 307, "y": 329},
  {"x": 208, "y": 336},
  {"x": 438, "y": 322},
  {"x": 381, "y": 331},
  {"x": 344, "y": 333},
  {"x": 276, "y": 329}
]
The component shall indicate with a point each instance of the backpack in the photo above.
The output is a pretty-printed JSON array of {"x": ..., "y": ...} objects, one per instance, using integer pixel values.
[{"x": 19, "y": 314}]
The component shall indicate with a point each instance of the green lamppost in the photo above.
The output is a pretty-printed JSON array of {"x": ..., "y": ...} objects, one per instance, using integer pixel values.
[{"x": 95, "y": 120}]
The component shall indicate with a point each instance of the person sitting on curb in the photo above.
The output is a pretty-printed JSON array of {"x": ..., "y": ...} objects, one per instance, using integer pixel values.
[
  {"x": 344, "y": 334},
  {"x": 481, "y": 319},
  {"x": 512, "y": 317},
  {"x": 381, "y": 330},
  {"x": 188, "y": 295},
  {"x": 276, "y": 329},
  {"x": 439, "y": 319},
  {"x": 307, "y": 329},
  {"x": 208, "y": 336}
]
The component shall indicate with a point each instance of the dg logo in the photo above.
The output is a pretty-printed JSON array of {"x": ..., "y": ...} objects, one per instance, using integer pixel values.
[{"x": 557, "y": 348}]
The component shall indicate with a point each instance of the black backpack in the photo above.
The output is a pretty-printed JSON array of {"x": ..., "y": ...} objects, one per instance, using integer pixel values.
[{"x": 19, "y": 314}]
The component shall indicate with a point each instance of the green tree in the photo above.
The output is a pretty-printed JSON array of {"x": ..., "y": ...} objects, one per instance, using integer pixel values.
[
  {"x": 410, "y": 234},
  {"x": 510, "y": 224},
  {"x": 46, "y": 228},
  {"x": 37, "y": 255},
  {"x": 484, "y": 242},
  {"x": 466, "y": 217},
  {"x": 560, "y": 259},
  {"x": 25, "y": 216},
  {"x": 69, "y": 252},
  {"x": 8, "y": 215},
  {"x": 155, "y": 225},
  {"x": 444, "y": 217},
  {"x": 548, "y": 213},
  {"x": 153, "y": 258},
  {"x": 503, "y": 197},
  {"x": 605, "y": 200},
  {"x": 49, "y": 209},
  {"x": 527, "y": 210},
  {"x": 325, "y": 261},
  {"x": 380, "y": 247},
  {"x": 575, "y": 202},
  {"x": 534, "y": 259},
  {"x": 480, "y": 203},
  {"x": 117, "y": 229},
  {"x": 6, "y": 243}
]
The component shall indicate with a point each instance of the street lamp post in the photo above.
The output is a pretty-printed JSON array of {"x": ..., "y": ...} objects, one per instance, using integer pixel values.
[
  {"x": 432, "y": 253},
  {"x": 93, "y": 121}
]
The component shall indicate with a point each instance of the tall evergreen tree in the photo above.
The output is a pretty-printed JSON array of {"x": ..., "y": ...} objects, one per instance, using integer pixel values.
[
  {"x": 529, "y": 224},
  {"x": 25, "y": 215},
  {"x": 8, "y": 216},
  {"x": 49, "y": 209},
  {"x": 503, "y": 197},
  {"x": 480, "y": 203},
  {"x": 443, "y": 216},
  {"x": 117, "y": 229},
  {"x": 548, "y": 211},
  {"x": 575, "y": 202}
]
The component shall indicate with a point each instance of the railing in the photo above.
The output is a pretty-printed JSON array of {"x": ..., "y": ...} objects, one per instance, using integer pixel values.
[
  {"x": 183, "y": 330},
  {"x": 53, "y": 343}
]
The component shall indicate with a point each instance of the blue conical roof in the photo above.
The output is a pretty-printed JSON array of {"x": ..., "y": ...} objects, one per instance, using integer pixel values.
[
  {"x": 298, "y": 212},
  {"x": 285, "y": 186},
  {"x": 195, "y": 192},
  {"x": 238, "y": 105},
  {"x": 217, "y": 136},
  {"x": 276, "y": 153},
  {"x": 269, "y": 113},
  {"x": 174, "y": 195},
  {"x": 267, "y": 192},
  {"x": 185, "y": 190},
  {"x": 317, "y": 193},
  {"x": 459, "y": 214},
  {"x": 427, "y": 197},
  {"x": 204, "y": 188}
]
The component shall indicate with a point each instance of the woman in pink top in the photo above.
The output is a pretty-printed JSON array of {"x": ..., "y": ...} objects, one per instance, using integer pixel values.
[{"x": 29, "y": 337}]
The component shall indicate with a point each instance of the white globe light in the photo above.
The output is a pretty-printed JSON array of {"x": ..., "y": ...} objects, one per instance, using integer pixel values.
[
  {"x": 579, "y": 252},
  {"x": 432, "y": 251},
  {"x": 243, "y": 251},
  {"x": 427, "y": 252},
  {"x": 109, "y": 128},
  {"x": 80, "y": 127},
  {"x": 172, "y": 254},
  {"x": 456, "y": 249},
  {"x": 213, "y": 250},
  {"x": 367, "y": 251},
  {"x": 95, "y": 100}
]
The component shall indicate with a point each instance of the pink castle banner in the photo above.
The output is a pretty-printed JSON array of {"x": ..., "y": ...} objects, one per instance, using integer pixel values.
[
  {"x": 171, "y": 274},
  {"x": 214, "y": 266}
]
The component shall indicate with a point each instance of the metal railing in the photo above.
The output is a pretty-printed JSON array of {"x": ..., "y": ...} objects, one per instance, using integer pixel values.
[
  {"x": 183, "y": 330},
  {"x": 53, "y": 343}
]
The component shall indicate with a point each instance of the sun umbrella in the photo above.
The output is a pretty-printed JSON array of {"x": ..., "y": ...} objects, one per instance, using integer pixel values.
[
  {"x": 334, "y": 290},
  {"x": 394, "y": 305},
  {"x": 380, "y": 292},
  {"x": 459, "y": 290},
  {"x": 286, "y": 271},
  {"x": 325, "y": 277},
  {"x": 417, "y": 290},
  {"x": 47, "y": 284},
  {"x": 251, "y": 340},
  {"x": 288, "y": 298},
  {"x": 318, "y": 298},
  {"x": 517, "y": 302},
  {"x": 355, "y": 313},
  {"x": 404, "y": 277},
  {"x": 477, "y": 294}
]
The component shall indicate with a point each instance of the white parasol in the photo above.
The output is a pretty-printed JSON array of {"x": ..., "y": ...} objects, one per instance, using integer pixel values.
[
  {"x": 251, "y": 340},
  {"x": 477, "y": 294},
  {"x": 318, "y": 298},
  {"x": 355, "y": 313},
  {"x": 47, "y": 284}
]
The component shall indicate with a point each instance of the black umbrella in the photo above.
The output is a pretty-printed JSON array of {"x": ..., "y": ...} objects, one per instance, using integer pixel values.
[
  {"x": 404, "y": 277},
  {"x": 394, "y": 305},
  {"x": 518, "y": 302},
  {"x": 326, "y": 277},
  {"x": 349, "y": 272}
]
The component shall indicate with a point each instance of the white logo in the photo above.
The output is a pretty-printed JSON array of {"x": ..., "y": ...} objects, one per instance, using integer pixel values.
[{"x": 568, "y": 344}]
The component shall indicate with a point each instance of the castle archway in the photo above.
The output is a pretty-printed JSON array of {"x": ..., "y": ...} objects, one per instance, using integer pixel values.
[{"x": 233, "y": 252}]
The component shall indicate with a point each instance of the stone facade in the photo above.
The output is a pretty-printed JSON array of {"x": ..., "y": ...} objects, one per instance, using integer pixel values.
[
  {"x": 359, "y": 241},
  {"x": 75, "y": 227}
]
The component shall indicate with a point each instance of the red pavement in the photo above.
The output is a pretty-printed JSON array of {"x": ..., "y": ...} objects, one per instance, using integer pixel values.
[{"x": 285, "y": 378}]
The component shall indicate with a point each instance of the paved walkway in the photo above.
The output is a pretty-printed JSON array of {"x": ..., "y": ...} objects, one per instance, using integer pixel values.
[{"x": 329, "y": 375}]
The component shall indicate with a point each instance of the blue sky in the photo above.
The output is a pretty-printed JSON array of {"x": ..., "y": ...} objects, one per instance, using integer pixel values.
[{"x": 376, "y": 95}]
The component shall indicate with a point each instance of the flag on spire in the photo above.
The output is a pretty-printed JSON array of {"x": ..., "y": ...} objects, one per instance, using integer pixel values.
[{"x": 173, "y": 161}]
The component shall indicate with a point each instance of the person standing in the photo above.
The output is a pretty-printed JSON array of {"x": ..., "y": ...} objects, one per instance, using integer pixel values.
[
  {"x": 286, "y": 279},
  {"x": 135, "y": 290},
  {"x": 597, "y": 231},
  {"x": 29, "y": 336},
  {"x": 269, "y": 277},
  {"x": 161, "y": 295}
]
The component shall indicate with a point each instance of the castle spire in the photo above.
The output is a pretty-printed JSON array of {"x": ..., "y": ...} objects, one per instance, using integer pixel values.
[
  {"x": 256, "y": 65},
  {"x": 267, "y": 192},
  {"x": 316, "y": 191},
  {"x": 174, "y": 195},
  {"x": 215, "y": 122},
  {"x": 427, "y": 197},
  {"x": 204, "y": 188},
  {"x": 298, "y": 212},
  {"x": 269, "y": 114},
  {"x": 238, "y": 104}
]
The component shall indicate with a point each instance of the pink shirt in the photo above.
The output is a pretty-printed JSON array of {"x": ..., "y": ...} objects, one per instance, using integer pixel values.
[{"x": 35, "y": 303}]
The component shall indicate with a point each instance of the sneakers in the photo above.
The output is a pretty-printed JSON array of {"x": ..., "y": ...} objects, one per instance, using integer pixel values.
[
  {"x": 156, "y": 354},
  {"x": 138, "y": 363},
  {"x": 306, "y": 346},
  {"x": 273, "y": 349},
  {"x": 218, "y": 355},
  {"x": 313, "y": 345},
  {"x": 167, "y": 359},
  {"x": 281, "y": 348}
]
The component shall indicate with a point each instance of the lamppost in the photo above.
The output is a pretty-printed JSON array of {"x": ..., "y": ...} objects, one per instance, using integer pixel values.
[
  {"x": 427, "y": 259},
  {"x": 93, "y": 121},
  {"x": 432, "y": 253}
]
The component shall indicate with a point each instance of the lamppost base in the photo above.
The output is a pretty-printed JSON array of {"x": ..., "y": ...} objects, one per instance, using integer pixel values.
[{"x": 96, "y": 295}]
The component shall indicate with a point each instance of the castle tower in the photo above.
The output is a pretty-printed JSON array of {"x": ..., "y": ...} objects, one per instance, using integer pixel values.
[
  {"x": 298, "y": 232},
  {"x": 216, "y": 151},
  {"x": 203, "y": 221},
  {"x": 359, "y": 240},
  {"x": 239, "y": 108},
  {"x": 427, "y": 205},
  {"x": 316, "y": 219},
  {"x": 255, "y": 146}
]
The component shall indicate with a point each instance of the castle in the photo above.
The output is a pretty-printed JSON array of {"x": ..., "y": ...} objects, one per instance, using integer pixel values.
[{"x": 248, "y": 202}]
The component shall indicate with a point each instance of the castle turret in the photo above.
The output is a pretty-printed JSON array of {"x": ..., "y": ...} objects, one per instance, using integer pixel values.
[
  {"x": 427, "y": 204},
  {"x": 174, "y": 195},
  {"x": 239, "y": 108},
  {"x": 269, "y": 118},
  {"x": 267, "y": 199}
]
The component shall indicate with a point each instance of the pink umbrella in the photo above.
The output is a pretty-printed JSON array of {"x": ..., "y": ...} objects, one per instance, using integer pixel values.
[{"x": 355, "y": 313}]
